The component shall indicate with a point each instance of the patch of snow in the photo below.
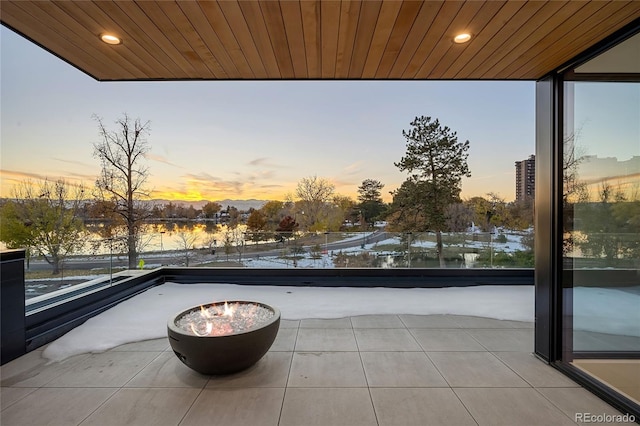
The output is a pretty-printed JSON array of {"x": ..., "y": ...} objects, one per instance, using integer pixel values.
[{"x": 145, "y": 316}]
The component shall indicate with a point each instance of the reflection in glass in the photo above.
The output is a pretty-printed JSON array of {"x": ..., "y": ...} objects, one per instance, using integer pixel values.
[{"x": 601, "y": 231}]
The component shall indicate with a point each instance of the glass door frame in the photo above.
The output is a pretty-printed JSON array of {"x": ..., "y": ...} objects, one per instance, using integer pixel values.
[{"x": 553, "y": 285}]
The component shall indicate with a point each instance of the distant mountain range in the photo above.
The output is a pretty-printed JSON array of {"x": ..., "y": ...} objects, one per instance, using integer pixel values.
[{"x": 241, "y": 205}]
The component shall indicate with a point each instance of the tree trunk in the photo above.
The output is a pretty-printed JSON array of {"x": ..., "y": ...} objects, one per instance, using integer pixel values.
[
  {"x": 55, "y": 263},
  {"x": 439, "y": 249},
  {"x": 131, "y": 250}
]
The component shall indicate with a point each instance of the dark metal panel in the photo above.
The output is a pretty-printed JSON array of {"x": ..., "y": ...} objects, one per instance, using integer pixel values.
[
  {"x": 544, "y": 223},
  {"x": 12, "y": 322},
  {"x": 352, "y": 277}
]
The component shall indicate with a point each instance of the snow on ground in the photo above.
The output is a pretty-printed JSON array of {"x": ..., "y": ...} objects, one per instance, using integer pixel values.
[
  {"x": 513, "y": 244},
  {"x": 325, "y": 262},
  {"x": 145, "y": 316}
]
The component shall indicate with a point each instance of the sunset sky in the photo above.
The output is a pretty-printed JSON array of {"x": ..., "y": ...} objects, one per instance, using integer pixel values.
[{"x": 241, "y": 140}]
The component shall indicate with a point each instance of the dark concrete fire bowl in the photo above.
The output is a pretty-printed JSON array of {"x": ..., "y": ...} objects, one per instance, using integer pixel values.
[{"x": 230, "y": 348}]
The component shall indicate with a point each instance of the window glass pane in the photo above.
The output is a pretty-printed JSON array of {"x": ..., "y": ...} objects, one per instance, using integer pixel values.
[{"x": 601, "y": 221}]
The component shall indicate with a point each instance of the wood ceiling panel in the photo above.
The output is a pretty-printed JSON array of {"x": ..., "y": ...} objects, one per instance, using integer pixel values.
[
  {"x": 112, "y": 18},
  {"x": 59, "y": 44},
  {"x": 77, "y": 31},
  {"x": 368, "y": 17},
  {"x": 198, "y": 18},
  {"x": 182, "y": 50},
  {"x": 545, "y": 19},
  {"x": 311, "y": 28},
  {"x": 313, "y": 39},
  {"x": 94, "y": 20},
  {"x": 239, "y": 36},
  {"x": 292, "y": 17},
  {"x": 428, "y": 13},
  {"x": 349, "y": 13},
  {"x": 472, "y": 49},
  {"x": 409, "y": 13},
  {"x": 254, "y": 20},
  {"x": 278, "y": 36},
  {"x": 555, "y": 23},
  {"x": 384, "y": 26},
  {"x": 145, "y": 29},
  {"x": 446, "y": 14},
  {"x": 329, "y": 30},
  {"x": 196, "y": 47},
  {"x": 600, "y": 24},
  {"x": 477, "y": 26},
  {"x": 506, "y": 29},
  {"x": 438, "y": 54}
]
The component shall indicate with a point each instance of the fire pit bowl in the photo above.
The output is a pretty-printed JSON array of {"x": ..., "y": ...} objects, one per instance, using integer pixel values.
[{"x": 223, "y": 337}]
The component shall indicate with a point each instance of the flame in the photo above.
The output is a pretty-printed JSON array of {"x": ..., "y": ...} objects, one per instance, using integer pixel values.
[
  {"x": 228, "y": 310},
  {"x": 204, "y": 312},
  {"x": 218, "y": 322}
]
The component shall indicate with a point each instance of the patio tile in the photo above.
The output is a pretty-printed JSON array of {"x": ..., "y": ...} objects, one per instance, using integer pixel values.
[
  {"x": 285, "y": 340},
  {"x": 271, "y": 371},
  {"x": 377, "y": 321},
  {"x": 400, "y": 369},
  {"x": 167, "y": 371},
  {"x": 479, "y": 322},
  {"x": 446, "y": 340},
  {"x": 326, "y": 369},
  {"x": 535, "y": 371},
  {"x": 156, "y": 407},
  {"x": 32, "y": 370},
  {"x": 326, "y": 323},
  {"x": 323, "y": 407},
  {"x": 429, "y": 321},
  {"x": 511, "y": 407},
  {"x": 518, "y": 340},
  {"x": 385, "y": 339},
  {"x": 474, "y": 369},
  {"x": 289, "y": 323},
  {"x": 236, "y": 407},
  {"x": 9, "y": 396},
  {"x": 317, "y": 339},
  {"x": 572, "y": 401},
  {"x": 155, "y": 345},
  {"x": 108, "y": 369},
  {"x": 419, "y": 407},
  {"x": 55, "y": 407}
]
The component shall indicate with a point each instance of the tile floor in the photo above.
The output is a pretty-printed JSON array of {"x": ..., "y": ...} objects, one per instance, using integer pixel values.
[{"x": 367, "y": 370}]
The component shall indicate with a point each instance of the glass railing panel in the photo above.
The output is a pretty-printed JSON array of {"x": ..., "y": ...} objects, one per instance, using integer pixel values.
[{"x": 105, "y": 261}]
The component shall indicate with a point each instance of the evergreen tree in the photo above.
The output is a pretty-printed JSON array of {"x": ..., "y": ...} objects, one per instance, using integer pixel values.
[{"x": 436, "y": 162}]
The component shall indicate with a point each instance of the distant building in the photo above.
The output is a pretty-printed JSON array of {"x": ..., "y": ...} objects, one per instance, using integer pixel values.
[{"x": 526, "y": 179}]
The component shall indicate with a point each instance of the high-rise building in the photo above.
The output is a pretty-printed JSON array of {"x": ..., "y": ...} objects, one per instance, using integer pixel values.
[{"x": 526, "y": 179}]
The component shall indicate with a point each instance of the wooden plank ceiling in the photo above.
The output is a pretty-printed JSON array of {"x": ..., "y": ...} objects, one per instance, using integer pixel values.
[{"x": 305, "y": 39}]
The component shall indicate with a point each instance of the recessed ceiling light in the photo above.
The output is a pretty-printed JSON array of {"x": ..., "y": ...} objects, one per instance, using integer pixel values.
[
  {"x": 110, "y": 39},
  {"x": 462, "y": 38}
]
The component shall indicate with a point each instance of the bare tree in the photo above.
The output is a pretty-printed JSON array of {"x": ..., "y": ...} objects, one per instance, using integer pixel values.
[
  {"x": 123, "y": 176},
  {"x": 187, "y": 241},
  {"x": 314, "y": 194},
  {"x": 458, "y": 217}
]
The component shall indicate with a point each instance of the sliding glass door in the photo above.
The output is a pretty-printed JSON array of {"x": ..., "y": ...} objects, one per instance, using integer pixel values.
[{"x": 601, "y": 220}]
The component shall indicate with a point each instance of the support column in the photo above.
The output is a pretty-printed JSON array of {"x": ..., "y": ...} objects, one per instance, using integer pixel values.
[{"x": 12, "y": 305}]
